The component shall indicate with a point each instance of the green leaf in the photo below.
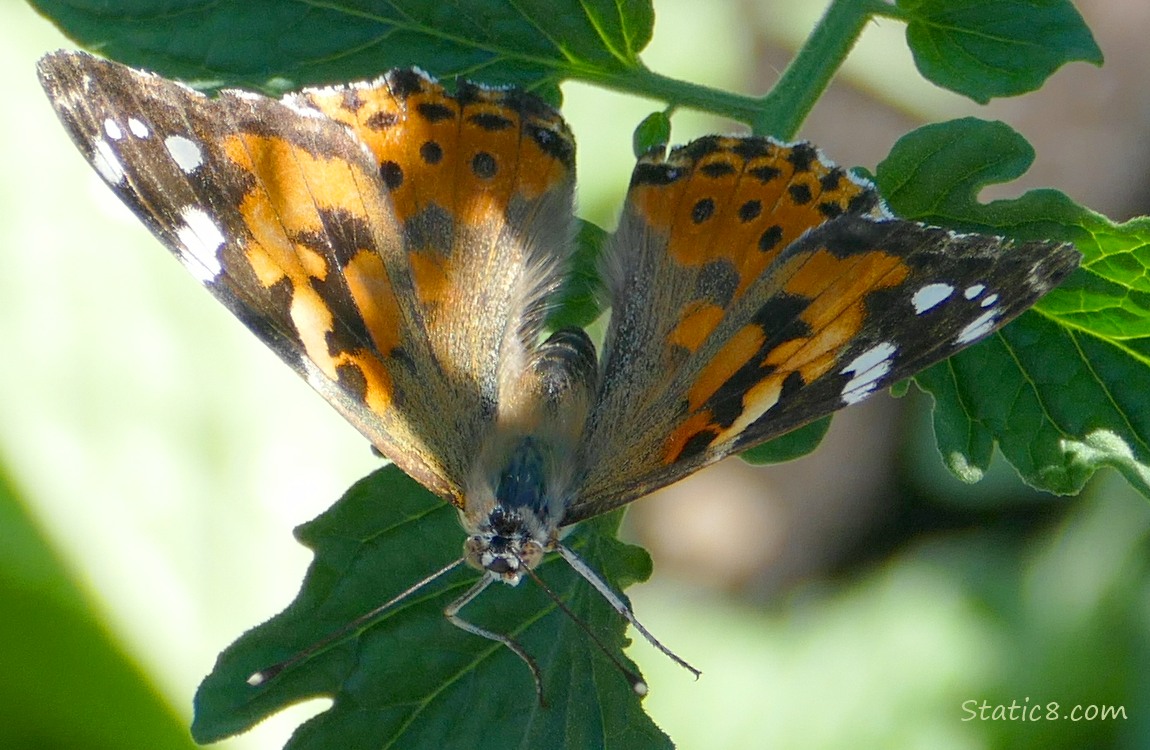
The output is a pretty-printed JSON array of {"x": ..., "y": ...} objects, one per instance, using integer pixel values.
[
  {"x": 409, "y": 678},
  {"x": 1064, "y": 389},
  {"x": 790, "y": 446},
  {"x": 653, "y": 132},
  {"x": 579, "y": 302},
  {"x": 1002, "y": 48},
  {"x": 261, "y": 43}
]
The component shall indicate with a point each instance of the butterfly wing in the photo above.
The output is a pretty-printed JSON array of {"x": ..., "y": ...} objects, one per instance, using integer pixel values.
[
  {"x": 348, "y": 228},
  {"x": 755, "y": 287}
]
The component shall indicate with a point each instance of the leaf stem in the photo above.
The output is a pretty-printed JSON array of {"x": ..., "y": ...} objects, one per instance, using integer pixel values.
[
  {"x": 644, "y": 82},
  {"x": 782, "y": 111}
]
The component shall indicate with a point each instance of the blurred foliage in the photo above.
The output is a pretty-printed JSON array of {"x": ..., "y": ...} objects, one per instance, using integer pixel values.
[{"x": 64, "y": 681}]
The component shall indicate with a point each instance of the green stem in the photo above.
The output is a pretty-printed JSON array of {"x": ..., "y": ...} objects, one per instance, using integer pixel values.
[
  {"x": 782, "y": 111},
  {"x": 643, "y": 82}
]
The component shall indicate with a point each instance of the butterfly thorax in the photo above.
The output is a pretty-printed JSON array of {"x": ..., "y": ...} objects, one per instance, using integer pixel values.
[
  {"x": 524, "y": 473},
  {"x": 519, "y": 527}
]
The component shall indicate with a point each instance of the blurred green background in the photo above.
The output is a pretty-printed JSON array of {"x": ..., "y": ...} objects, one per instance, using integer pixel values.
[{"x": 155, "y": 459}]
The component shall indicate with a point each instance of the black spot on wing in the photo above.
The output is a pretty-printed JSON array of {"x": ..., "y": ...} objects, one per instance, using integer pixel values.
[
  {"x": 800, "y": 194},
  {"x": 779, "y": 320},
  {"x": 391, "y": 174},
  {"x": 832, "y": 179},
  {"x": 381, "y": 120},
  {"x": 350, "y": 99},
  {"x": 703, "y": 210},
  {"x": 851, "y": 235},
  {"x": 770, "y": 238},
  {"x": 764, "y": 174},
  {"x": 792, "y": 384},
  {"x": 348, "y": 332},
  {"x": 431, "y": 152},
  {"x": 830, "y": 209},
  {"x": 344, "y": 235},
  {"x": 699, "y": 148},
  {"x": 280, "y": 298},
  {"x": 528, "y": 105},
  {"x": 697, "y": 444},
  {"x": 490, "y": 121},
  {"x": 266, "y": 321},
  {"x": 750, "y": 210},
  {"x": 483, "y": 165},
  {"x": 779, "y": 315},
  {"x": 718, "y": 169},
  {"x": 403, "y": 82},
  {"x": 864, "y": 202},
  {"x": 435, "y": 112},
  {"x": 350, "y": 379},
  {"x": 655, "y": 174},
  {"x": 752, "y": 148},
  {"x": 726, "y": 404},
  {"x": 551, "y": 143},
  {"x": 802, "y": 156}
]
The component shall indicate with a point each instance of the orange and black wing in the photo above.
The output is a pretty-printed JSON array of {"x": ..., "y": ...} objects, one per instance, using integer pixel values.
[
  {"x": 756, "y": 287},
  {"x": 391, "y": 242}
]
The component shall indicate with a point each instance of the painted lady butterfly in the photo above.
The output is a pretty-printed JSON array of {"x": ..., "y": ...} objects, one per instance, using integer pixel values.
[{"x": 398, "y": 246}]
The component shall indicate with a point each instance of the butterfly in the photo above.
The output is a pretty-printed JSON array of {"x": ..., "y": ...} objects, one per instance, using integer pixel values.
[{"x": 399, "y": 246}]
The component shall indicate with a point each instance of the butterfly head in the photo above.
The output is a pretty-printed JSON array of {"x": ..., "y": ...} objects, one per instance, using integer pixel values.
[
  {"x": 505, "y": 545},
  {"x": 511, "y": 514}
]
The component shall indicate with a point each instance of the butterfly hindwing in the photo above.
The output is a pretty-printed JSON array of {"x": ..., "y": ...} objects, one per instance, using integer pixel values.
[{"x": 806, "y": 298}]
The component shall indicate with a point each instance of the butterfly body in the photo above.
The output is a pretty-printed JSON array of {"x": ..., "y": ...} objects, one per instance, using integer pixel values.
[{"x": 399, "y": 246}]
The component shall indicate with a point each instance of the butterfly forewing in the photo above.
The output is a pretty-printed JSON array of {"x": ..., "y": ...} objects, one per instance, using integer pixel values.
[{"x": 349, "y": 227}]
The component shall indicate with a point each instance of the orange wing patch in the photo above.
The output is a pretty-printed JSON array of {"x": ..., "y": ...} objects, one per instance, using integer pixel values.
[
  {"x": 730, "y": 206},
  {"x": 746, "y": 377},
  {"x": 741, "y": 200},
  {"x": 295, "y": 200},
  {"x": 454, "y": 167}
]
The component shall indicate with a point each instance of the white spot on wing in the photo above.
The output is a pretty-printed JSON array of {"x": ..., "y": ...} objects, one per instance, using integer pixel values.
[
  {"x": 106, "y": 162},
  {"x": 930, "y": 296},
  {"x": 1037, "y": 277},
  {"x": 989, "y": 300},
  {"x": 201, "y": 239},
  {"x": 868, "y": 368},
  {"x": 186, "y": 153},
  {"x": 300, "y": 107},
  {"x": 978, "y": 327},
  {"x": 973, "y": 291},
  {"x": 138, "y": 128},
  {"x": 112, "y": 129}
]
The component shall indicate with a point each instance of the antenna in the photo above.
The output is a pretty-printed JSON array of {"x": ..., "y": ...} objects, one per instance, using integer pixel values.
[
  {"x": 619, "y": 605},
  {"x": 262, "y": 676},
  {"x": 638, "y": 684},
  {"x": 452, "y": 614}
]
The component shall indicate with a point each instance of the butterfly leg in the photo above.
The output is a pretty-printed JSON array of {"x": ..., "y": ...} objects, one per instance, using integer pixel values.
[
  {"x": 619, "y": 605},
  {"x": 452, "y": 615}
]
